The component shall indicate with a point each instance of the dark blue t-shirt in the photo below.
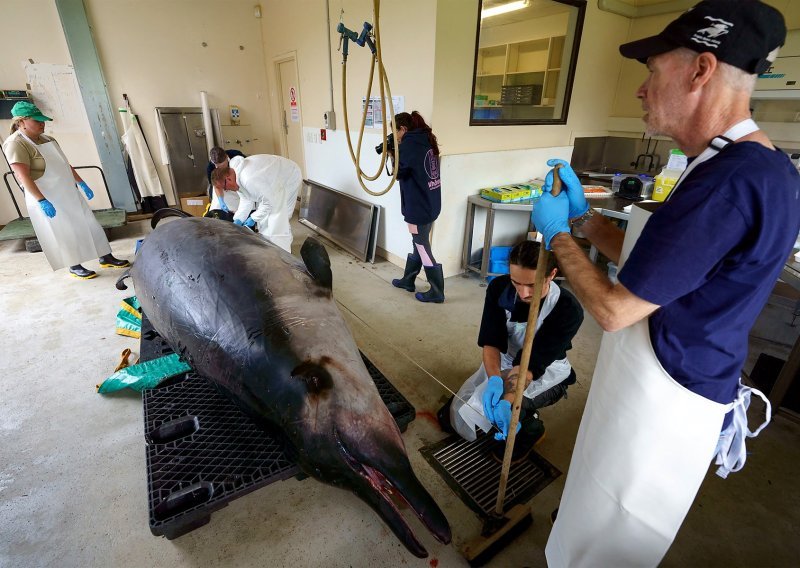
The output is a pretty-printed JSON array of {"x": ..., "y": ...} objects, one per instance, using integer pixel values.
[
  {"x": 710, "y": 257},
  {"x": 418, "y": 173}
]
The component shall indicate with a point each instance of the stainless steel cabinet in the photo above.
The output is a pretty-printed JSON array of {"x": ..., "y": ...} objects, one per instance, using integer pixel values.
[{"x": 186, "y": 145}]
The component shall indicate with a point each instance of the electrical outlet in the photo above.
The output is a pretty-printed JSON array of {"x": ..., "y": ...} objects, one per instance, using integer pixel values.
[{"x": 329, "y": 118}]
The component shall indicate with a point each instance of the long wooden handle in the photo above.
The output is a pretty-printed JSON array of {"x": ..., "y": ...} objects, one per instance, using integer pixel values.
[{"x": 527, "y": 347}]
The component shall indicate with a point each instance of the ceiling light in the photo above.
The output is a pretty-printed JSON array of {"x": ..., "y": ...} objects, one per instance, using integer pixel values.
[{"x": 504, "y": 8}]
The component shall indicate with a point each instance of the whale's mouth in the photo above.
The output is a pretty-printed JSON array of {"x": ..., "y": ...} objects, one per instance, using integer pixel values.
[{"x": 385, "y": 496}]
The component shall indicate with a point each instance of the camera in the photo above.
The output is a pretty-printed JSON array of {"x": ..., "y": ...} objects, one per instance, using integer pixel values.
[{"x": 388, "y": 144}]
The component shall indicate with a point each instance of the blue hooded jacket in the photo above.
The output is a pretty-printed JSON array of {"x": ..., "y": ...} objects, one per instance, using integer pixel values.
[{"x": 418, "y": 174}]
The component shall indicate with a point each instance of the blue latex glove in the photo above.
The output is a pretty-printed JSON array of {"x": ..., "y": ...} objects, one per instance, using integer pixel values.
[
  {"x": 502, "y": 419},
  {"x": 550, "y": 216},
  {"x": 237, "y": 222},
  {"x": 249, "y": 222},
  {"x": 89, "y": 193},
  {"x": 570, "y": 184},
  {"x": 223, "y": 205},
  {"x": 47, "y": 208},
  {"x": 491, "y": 396}
]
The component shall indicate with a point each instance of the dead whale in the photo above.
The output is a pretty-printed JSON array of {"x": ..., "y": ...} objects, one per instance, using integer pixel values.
[{"x": 264, "y": 327}]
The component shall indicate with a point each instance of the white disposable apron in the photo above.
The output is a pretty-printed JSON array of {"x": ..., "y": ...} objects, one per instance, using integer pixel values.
[
  {"x": 231, "y": 199},
  {"x": 73, "y": 236},
  {"x": 465, "y": 418},
  {"x": 640, "y": 458}
]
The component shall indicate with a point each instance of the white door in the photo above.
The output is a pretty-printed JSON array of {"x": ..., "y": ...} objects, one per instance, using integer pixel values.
[{"x": 292, "y": 116}]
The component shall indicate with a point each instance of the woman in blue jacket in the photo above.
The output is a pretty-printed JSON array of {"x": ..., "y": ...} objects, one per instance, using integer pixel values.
[{"x": 420, "y": 201}]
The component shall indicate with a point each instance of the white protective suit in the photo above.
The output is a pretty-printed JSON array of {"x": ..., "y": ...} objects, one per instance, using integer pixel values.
[{"x": 269, "y": 184}]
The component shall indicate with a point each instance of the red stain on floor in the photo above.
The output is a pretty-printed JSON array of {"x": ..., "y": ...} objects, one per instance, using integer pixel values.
[
  {"x": 434, "y": 562},
  {"x": 429, "y": 416}
]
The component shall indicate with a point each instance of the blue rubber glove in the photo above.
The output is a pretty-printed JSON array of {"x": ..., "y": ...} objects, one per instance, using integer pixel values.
[
  {"x": 570, "y": 184},
  {"x": 550, "y": 216},
  {"x": 502, "y": 417},
  {"x": 47, "y": 208},
  {"x": 491, "y": 396},
  {"x": 223, "y": 206},
  {"x": 249, "y": 222},
  {"x": 237, "y": 222},
  {"x": 89, "y": 193}
]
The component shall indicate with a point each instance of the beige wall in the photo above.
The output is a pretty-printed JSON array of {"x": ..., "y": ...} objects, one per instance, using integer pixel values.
[
  {"x": 151, "y": 50},
  {"x": 300, "y": 26},
  {"x": 592, "y": 95},
  {"x": 408, "y": 29},
  {"x": 49, "y": 47}
]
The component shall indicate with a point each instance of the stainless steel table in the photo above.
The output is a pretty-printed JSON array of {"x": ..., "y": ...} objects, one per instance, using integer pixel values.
[
  {"x": 491, "y": 207},
  {"x": 609, "y": 206}
]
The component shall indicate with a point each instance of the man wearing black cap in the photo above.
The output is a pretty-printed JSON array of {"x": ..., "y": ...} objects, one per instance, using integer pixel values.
[{"x": 690, "y": 289}]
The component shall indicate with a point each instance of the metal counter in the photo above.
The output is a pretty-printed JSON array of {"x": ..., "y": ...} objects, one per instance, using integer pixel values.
[{"x": 608, "y": 206}]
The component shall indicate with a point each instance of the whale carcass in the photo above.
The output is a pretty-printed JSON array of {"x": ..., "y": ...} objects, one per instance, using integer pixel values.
[{"x": 264, "y": 327}]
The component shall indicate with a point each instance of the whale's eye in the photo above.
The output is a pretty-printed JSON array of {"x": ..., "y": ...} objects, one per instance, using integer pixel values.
[{"x": 316, "y": 378}]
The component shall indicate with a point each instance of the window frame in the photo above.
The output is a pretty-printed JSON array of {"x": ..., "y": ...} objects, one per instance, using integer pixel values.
[{"x": 573, "y": 63}]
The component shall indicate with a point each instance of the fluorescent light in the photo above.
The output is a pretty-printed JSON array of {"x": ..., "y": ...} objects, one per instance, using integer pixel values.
[{"x": 504, "y": 8}]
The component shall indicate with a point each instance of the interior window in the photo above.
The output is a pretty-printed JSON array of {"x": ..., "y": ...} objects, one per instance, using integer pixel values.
[{"x": 525, "y": 57}]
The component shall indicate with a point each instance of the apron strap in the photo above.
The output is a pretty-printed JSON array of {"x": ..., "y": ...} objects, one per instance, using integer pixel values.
[
  {"x": 717, "y": 144},
  {"x": 731, "y": 453}
]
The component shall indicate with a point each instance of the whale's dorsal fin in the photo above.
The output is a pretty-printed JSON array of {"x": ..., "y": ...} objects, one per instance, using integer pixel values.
[{"x": 317, "y": 261}]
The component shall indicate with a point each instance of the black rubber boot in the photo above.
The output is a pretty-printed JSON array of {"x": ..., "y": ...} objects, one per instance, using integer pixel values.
[
  {"x": 436, "y": 280},
  {"x": 413, "y": 266},
  {"x": 79, "y": 271},
  {"x": 108, "y": 261}
]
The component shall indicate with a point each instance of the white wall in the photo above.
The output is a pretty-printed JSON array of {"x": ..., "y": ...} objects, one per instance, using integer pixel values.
[
  {"x": 153, "y": 51},
  {"x": 49, "y": 46}
]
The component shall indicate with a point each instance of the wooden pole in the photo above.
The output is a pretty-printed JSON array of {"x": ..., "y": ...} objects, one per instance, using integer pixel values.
[{"x": 527, "y": 346}]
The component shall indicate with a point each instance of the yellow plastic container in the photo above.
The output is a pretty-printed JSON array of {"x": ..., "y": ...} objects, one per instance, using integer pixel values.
[
  {"x": 507, "y": 193},
  {"x": 664, "y": 183}
]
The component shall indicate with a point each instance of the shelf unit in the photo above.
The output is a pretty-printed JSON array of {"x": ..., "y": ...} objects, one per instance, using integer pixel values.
[{"x": 533, "y": 62}]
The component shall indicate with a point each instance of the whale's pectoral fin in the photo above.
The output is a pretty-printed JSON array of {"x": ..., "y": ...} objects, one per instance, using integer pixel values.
[{"x": 317, "y": 261}]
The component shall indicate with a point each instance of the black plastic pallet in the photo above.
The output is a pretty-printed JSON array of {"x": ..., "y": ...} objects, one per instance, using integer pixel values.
[{"x": 203, "y": 452}]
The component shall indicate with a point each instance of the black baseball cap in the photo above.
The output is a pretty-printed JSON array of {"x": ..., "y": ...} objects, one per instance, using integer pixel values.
[{"x": 744, "y": 33}]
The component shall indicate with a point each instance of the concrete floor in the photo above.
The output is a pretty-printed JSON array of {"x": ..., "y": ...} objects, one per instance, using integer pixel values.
[{"x": 72, "y": 462}]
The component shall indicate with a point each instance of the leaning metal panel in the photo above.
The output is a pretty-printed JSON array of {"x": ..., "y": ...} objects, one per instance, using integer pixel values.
[
  {"x": 350, "y": 222},
  {"x": 471, "y": 471}
]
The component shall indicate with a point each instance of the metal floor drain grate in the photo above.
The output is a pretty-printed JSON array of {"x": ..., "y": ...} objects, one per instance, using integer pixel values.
[{"x": 471, "y": 471}]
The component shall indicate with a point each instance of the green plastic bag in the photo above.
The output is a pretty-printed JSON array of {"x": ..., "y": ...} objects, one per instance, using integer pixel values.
[
  {"x": 144, "y": 375},
  {"x": 129, "y": 318}
]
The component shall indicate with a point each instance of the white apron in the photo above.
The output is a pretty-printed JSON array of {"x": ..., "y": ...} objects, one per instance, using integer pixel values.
[
  {"x": 231, "y": 199},
  {"x": 73, "y": 236},
  {"x": 465, "y": 418},
  {"x": 640, "y": 458}
]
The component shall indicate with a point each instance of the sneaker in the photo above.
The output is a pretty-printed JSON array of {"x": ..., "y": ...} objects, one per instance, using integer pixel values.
[
  {"x": 82, "y": 273},
  {"x": 523, "y": 445},
  {"x": 109, "y": 261}
]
